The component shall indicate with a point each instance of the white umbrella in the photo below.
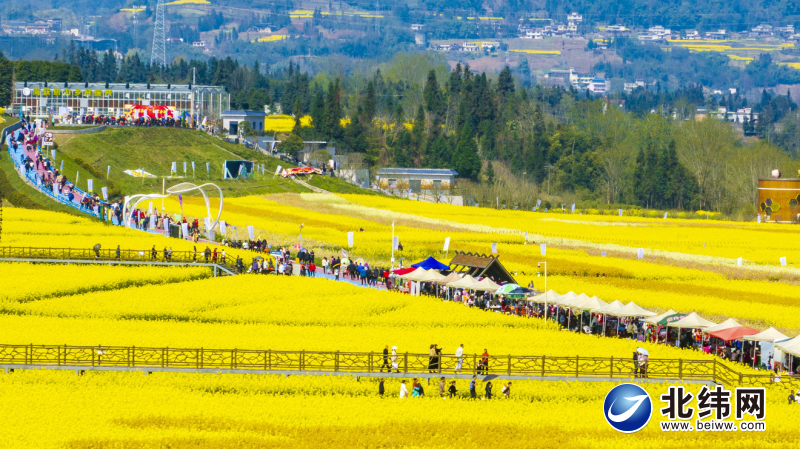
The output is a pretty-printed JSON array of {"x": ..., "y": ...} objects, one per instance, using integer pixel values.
[{"x": 642, "y": 351}]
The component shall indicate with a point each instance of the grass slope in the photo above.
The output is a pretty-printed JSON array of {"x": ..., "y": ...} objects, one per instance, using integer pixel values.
[{"x": 154, "y": 150}]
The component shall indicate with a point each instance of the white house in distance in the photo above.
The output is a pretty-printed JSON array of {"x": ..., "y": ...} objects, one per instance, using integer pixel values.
[
  {"x": 418, "y": 180},
  {"x": 231, "y": 120},
  {"x": 598, "y": 86}
]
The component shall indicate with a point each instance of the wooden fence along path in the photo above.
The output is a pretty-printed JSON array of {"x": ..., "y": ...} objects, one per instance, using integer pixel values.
[
  {"x": 109, "y": 255},
  {"x": 148, "y": 359}
]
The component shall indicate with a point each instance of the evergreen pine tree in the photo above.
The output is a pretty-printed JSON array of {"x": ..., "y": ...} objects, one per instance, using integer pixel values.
[{"x": 465, "y": 158}]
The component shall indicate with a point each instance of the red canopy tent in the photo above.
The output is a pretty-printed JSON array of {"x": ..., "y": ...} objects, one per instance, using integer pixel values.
[
  {"x": 402, "y": 271},
  {"x": 734, "y": 333}
]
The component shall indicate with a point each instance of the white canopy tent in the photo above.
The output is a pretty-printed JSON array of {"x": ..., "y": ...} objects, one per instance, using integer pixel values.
[
  {"x": 452, "y": 277},
  {"x": 612, "y": 306},
  {"x": 768, "y": 340},
  {"x": 631, "y": 310},
  {"x": 550, "y": 297},
  {"x": 790, "y": 346},
  {"x": 692, "y": 321},
  {"x": 467, "y": 282},
  {"x": 656, "y": 319},
  {"x": 566, "y": 298},
  {"x": 485, "y": 285},
  {"x": 430, "y": 276},
  {"x": 727, "y": 324},
  {"x": 413, "y": 275},
  {"x": 770, "y": 334},
  {"x": 590, "y": 304}
]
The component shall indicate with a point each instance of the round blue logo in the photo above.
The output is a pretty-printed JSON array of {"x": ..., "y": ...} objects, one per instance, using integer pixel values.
[{"x": 628, "y": 408}]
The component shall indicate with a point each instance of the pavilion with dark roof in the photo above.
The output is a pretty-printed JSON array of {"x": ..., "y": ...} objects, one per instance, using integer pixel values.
[{"x": 481, "y": 265}]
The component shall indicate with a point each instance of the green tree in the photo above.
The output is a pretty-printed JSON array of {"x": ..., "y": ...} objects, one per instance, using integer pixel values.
[
  {"x": 434, "y": 102},
  {"x": 292, "y": 145},
  {"x": 465, "y": 158},
  {"x": 6, "y": 80}
]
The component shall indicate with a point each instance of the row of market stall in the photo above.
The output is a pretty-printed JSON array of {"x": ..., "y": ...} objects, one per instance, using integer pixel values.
[{"x": 590, "y": 314}]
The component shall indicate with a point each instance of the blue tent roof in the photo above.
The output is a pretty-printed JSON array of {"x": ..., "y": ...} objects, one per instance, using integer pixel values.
[{"x": 431, "y": 263}]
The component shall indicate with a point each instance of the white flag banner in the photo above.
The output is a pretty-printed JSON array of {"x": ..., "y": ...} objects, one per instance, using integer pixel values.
[
  {"x": 77, "y": 175},
  {"x": 620, "y": 212},
  {"x": 185, "y": 229},
  {"x": 184, "y": 166},
  {"x": 105, "y": 193},
  {"x": 90, "y": 185},
  {"x": 526, "y": 236},
  {"x": 739, "y": 261},
  {"x": 573, "y": 208},
  {"x": 350, "y": 239},
  {"x": 108, "y": 171},
  {"x": 538, "y": 203},
  {"x": 665, "y": 215},
  {"x": 55, "y": 190},
  {"x": 251, "y": 233},
  {"x": 207, "y": 223},
  {"x": 192, "y": 165},
  {"x": 783, "y": 261},
  {"x": 208, "y": 168},
  {"x": 53, "y": 154},
  {"x": 166, "y": 225},
  {"x": 494, "y": 248},
  {"x": 543, "y": 249},
  {"x": 758, "y": 219},
  {"x": 395, "y": 242},
  {"x": 446, "y": 243},
  {"x": 174, "y": 167},
  {"x": 640, "y": 253},
  {"x": 150, "y": 208},
  {"x": 223, "y": 227},
  {"x": 602, "y": 254},
  {"x": 62, "y": 165},
  {"x": 152, "y": 221},
  {"x": 278, "y": 170}
]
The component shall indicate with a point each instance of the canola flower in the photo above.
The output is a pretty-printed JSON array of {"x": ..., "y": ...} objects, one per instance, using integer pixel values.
[
  {"x": 59, "y": 409},
  {"x": 271, "y": 38}
]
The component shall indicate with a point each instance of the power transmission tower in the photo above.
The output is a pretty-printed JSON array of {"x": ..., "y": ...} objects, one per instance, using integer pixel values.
[{"x": 159, "y": 52}]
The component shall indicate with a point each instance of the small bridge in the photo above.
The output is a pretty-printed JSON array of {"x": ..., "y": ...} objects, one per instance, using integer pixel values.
[
  {"x": 109, "y": 257},
  {"x": 373, "y": 364}
]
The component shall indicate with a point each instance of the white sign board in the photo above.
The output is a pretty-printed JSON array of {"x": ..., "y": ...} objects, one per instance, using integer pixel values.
[
  {"x": 446, "y": 244},
  {"x": 152, "y": 221},
  {"x": 223, "y": 227},
  {"x": 494, "y": 248},
  {"x": 350, "y": 239},
  {"x": 47, "y": 141},
  {"x": 185, "y": 229},
  {"x": 543, "y": 249},
  {"x": 251, "y": 233},
  {"x": 278, "y": 170},
  {"x": 640, "y": 253},
  {"x": 104, "y": 190},
  {"x": 739, "y": 261},
  {"x": 783, "y": 261},
  {"x": 90, "y": 185}
]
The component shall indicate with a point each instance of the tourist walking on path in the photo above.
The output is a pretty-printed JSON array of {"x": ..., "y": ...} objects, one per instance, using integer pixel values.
[
  {"x": 403, "y": 390},
  {"x": 386, "y": 360},
  {"x": 459, "y": 358},
  {"x": 394, "y": 359},
  {"x": 452, "y": 390},
  {"x": 472, "y": 386}
]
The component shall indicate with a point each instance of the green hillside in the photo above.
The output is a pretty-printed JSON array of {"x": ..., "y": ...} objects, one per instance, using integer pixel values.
[{"x": 155, "y": 149}]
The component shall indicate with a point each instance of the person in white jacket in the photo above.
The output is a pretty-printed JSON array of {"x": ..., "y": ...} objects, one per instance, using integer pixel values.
[
  {"x": 459, "y": 358},
  {"x": 403, "y": 390}
]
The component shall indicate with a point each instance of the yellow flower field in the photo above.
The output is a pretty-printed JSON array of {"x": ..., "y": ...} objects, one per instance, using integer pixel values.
[
  {"x": 60, "y": 409},
  {"x": 689, "y": 266}
]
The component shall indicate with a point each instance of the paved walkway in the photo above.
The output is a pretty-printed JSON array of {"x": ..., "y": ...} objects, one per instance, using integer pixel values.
[{"x": 29, "y": 150}]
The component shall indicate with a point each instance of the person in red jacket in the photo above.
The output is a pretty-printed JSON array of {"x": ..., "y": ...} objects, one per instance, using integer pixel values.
[{"x": 312, "y": 269}]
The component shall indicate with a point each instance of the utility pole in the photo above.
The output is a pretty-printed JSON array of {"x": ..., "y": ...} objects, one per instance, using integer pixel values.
[
  {"x": 159, "y": 49},
  {"x": 135, "y": 23},
  {"x": 194, "y": 75}
]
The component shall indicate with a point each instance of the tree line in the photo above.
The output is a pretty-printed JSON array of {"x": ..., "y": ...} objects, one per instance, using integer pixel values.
[{"x": 413, "y": 111}]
